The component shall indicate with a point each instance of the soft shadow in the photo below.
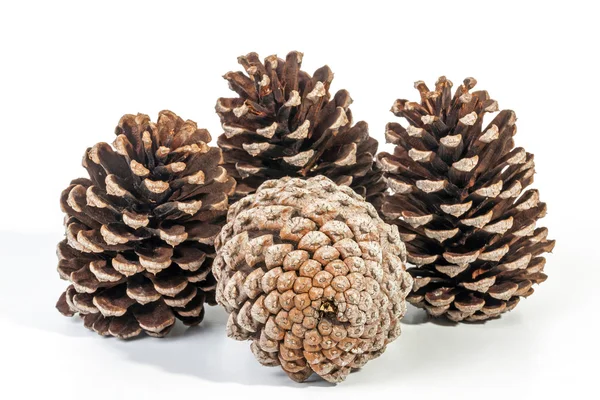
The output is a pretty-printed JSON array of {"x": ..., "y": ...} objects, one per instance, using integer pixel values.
[
  {"x": 432, "y": 349},
  {"x": 31, "y": 286},
  {"x": 418, "y": 316},
  {"x": 205, "y": 352}
]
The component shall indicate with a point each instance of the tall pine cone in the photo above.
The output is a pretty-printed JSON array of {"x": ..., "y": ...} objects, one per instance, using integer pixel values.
[
  {"x": 285, "y": 123},
  {"x": 459, "y": 202},
  {"x": 312, "y": 276},
  {"x": 139, "y": 232}
]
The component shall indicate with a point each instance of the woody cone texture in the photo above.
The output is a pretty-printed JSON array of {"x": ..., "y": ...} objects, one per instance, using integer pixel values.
[
  {"x": 312, "y": 276},
  {"x": 139, "y": 232},
  {"x": 460, "y": 203},
  {"x": 286, "y": 123}
]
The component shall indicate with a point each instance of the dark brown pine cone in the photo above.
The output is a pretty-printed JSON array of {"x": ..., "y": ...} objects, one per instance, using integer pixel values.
[
  {"x": 286, "y": 123},
  {"x": 139, "y": 232},
  {"x": 460, "y": 203}
]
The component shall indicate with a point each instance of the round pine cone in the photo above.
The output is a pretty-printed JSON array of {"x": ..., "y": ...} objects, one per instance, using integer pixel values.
[
  {"x": 285, "y": 123},
  {"x": 311, "y": 274},
  {"x": 139, "y": 232},
  {"x": 459, "y": 203}
]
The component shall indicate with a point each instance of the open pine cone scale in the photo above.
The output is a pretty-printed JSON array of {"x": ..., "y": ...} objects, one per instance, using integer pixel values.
[
  {"x": 459, "y": 202},
  {"x": 285, "y": 123},
  {"x": 139, "y": 232}
]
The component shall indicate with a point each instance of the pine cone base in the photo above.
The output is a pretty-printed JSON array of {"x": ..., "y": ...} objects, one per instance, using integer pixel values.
[{"x": 312, "y": 276}]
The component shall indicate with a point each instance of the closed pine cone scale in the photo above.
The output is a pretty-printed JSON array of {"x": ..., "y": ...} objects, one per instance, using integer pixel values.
[
  {"x": 312, "y": 276},
  {"x": 140, "y": 230},
  {"x": 286, "y": 123},
  {"x": 460, "y": 202}
]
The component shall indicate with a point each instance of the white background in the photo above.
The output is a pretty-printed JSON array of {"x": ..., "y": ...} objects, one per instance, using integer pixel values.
[{"x": 69, "y": 70}]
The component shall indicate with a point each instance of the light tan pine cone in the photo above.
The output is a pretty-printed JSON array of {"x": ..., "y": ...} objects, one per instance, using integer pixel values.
[
  {"x": 461, "y": 205},
  {"x": 312, "y": 276},
  {"x": 286, "y": 123},
  {"x": 139, "y": 232}
]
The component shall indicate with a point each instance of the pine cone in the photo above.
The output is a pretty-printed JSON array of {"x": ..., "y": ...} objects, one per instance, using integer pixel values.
[
  {"x": 139, "y": 232},
  {"x": 311, "y": 274},
  {"x": 285, "y": 123},
  {"x": 460, "y": 204}
]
